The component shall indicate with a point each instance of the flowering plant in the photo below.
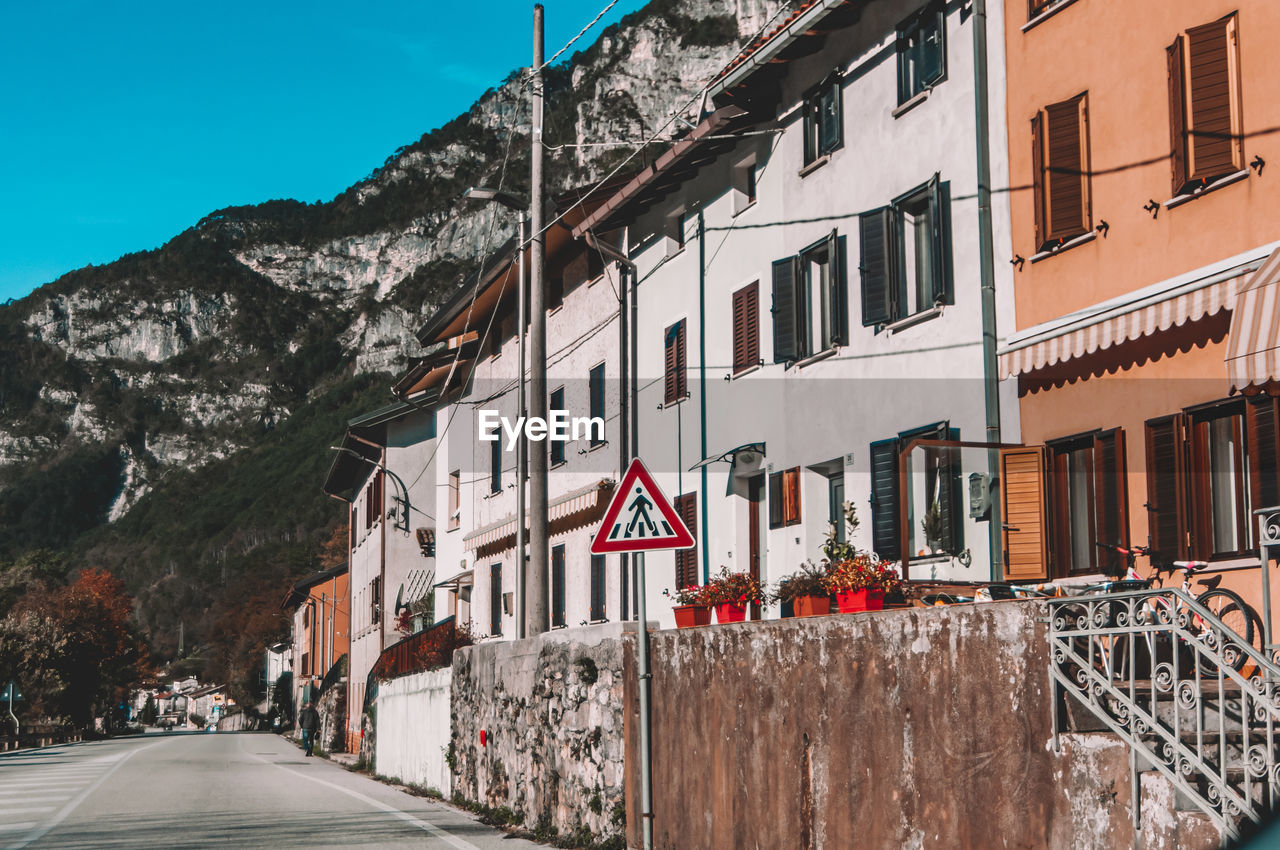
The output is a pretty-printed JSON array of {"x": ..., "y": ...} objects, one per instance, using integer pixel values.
[
  {"x": 691, "y": 595},
  {"x": 861, "y": 572},
  {"x": 809, "y": 580},
  {"x": 727, "y": 588}
]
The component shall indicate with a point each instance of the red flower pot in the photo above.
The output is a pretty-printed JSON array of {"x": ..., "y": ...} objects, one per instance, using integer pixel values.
[
  {"x": 860, "y": 600},
  {"x": 692, "y": 615},
  {"x": 812, "y": 606},
  {"x": 730, "y": 613}
]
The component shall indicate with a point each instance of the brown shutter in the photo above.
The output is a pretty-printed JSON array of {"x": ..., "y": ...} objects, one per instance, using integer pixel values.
[
  {"x": 1066, "y": 181},
  {"x": 1178, "y": 113},
  {"x": 1262, "y": 424},
  {"x": 1037, "y": 176},
  {"x": 682, "y": 363},
  {"x": 740, "y": 330},
  {"x": 1210, "y": 69},
  {"x": 752, "y": 310},
  {"x": 1023, "y": 513},
  {"x": 1166, "y": 482},
  {"x": 791, "y": 496},
  {"x": 675, "y": 382},
  {"x": 687, "y": 559},
  {"x": 1111, "y": 500}
]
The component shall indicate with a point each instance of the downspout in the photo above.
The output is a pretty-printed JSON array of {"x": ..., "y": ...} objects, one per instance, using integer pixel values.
[
  {"x": 702, "y": 388},
  {"x": 382, "y": 551},
  {"x": 986, "y": 262}
]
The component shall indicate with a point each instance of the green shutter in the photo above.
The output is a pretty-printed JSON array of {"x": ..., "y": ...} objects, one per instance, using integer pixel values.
[
  {"x": 786, "y": 344},
  {"x": 884, "y": 499},
  {"x": 877, "y": 262}
]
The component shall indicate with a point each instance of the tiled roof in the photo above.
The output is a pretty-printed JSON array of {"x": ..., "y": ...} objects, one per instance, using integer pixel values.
[{"x": 763, "y": 39}]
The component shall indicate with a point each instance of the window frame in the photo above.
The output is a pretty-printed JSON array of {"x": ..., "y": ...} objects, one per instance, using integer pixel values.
[
  {"x": 495, "y": 467},
  {"x": 794, "y": 294},
  {"x": 556, "y": 449},
  {"x": 815, "y": 145},
  {"x": 495, "y": 599},
  {"x": 1049, "y": 178},
  {"x": 888, "y": 496},
  {"x": 785, "y": 508},
  {"x": 1107, "y": 499},
  {"x": 686, "y": 506},
  {"x": 558, "y": 608},
  {"x": 597, "y": 588},
  {"x": 934, "y": 12},
  {"x": 596, "y": 393},
  {"x": 1187, "y": 175},
  {"x": 675, "y": 362},
  {"x": 882, "y": 241},
  {"x": 455, "y": 499},
  {"x": 745, "y": 321}
]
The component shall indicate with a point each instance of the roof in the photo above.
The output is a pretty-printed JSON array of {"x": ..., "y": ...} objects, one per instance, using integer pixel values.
[
  {"x": 350, "y": 466},
  {"x": 797, "y": 35},
  {"x": 302, "y": 588}
]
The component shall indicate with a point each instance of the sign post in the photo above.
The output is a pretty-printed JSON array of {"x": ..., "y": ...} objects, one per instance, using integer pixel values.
[
  {"x": 640, "y": 519},
  {"x": 12, "y": 693}
]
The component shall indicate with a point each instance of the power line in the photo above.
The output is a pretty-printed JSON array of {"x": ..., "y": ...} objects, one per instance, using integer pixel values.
[
  {"x": 630, "y": 143},
  {"x": 580, "y": 34}
]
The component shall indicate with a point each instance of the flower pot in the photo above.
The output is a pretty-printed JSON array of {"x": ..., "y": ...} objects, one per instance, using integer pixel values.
[
  {"x": 730, "y": 613},
  {"x": 812, "y": 606},
  {"x": 860, "y": 600},
  {"x": 692, "y": 615}
]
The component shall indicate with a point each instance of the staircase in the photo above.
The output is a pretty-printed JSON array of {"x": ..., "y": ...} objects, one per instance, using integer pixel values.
[{"x": 1184, "y": 692}]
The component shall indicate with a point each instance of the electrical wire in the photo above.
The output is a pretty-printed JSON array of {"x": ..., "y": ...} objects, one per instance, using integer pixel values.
[
  {"x": 580, "y": 34},
  {"x": 626, "y": 143}
]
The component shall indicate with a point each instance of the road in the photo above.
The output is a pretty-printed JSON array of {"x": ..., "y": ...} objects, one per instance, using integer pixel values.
[{"x": 246, "y": 789}]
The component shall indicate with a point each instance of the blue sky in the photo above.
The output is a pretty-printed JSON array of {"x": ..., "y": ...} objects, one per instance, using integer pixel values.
[{"x": 122, "y": 124}]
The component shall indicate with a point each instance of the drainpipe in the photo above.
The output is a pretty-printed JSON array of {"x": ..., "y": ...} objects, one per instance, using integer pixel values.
[
  {"x": 702, "y": 388},
  {"x": 986, "y": 261}
]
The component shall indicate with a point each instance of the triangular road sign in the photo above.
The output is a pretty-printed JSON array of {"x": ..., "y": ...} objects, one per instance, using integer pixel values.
[{"x": 639, "y": 518}]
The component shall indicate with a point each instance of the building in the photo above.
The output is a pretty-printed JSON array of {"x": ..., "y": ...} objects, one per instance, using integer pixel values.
[
  {"x": 384, "y": 470},
  {"x": 320, "y": 605},
  {"x": 1143, "y": 220},
  {"x": 808, "y": 303}
]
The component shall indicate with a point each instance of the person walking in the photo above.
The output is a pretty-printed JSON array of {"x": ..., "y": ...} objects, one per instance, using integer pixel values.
[{"x": 309, "y": 721}]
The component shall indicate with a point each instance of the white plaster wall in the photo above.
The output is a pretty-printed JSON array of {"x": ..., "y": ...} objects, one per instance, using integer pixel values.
[
  {"x": 414, "y": 729},
  {"x": 877, "y": 385}
]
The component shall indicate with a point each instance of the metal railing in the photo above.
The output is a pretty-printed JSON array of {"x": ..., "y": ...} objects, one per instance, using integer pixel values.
[{"x": 1185, "y": 692}]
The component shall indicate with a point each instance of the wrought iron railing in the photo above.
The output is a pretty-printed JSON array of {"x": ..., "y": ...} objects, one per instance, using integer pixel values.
[{"x": 1188, "y": 695}]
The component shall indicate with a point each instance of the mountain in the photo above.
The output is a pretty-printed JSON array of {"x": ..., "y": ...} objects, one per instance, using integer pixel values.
[{"x": 168, "y": 415}]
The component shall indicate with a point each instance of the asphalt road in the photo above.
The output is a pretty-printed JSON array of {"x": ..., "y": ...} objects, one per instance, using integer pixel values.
[{"x": 226, "y": 789}]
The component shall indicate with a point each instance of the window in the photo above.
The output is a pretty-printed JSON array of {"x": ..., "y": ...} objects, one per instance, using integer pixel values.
[
  {"x": 597, "y": 587},
  {"x": 375, "y": 601},
  {"x": 784, "y": 498},
  {"x": 746, "y": 328},
  {"x": 905, "y": 251},
  {"x": 744, "y": 185},
  {"x": 1035, "y": 7},
  {"x": 306, "y": 663},
  {"x": 555, "y": 291},
  {"x": 932, "y": 498},
  {"x": 835, "y": 505},
  {"x": 1205, "y": 123},
  {"x": 676, "y": 227},
  {"x": 595, "y": 387},
  {"x": 455, "y": 499},
  {"x": 495, "y": 599},
  {"x": 1087, "y": 503},
  {"x": 686, "y": 505},
  {"x": 809, "y": 301},
  {"x": 1207, "y": 469},
  {"x": 557, "y": 447},
  {"x": 557, "y": 586},
  {"x": 495, "y": 467},
  {"x": 676, "y": 379},
  {"x": 1060, "y": 165},
  {"x": 823, "y": 132},
  {"x": 922, "y": 58}
]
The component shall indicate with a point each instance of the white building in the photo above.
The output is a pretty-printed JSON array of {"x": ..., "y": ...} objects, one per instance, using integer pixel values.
[{"x": 809, "y": 287}]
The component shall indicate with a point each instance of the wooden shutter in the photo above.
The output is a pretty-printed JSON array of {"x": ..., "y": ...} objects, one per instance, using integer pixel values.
[
  {"x": 1037, "y": 177},
  {"x": 595, "y": 380},
  {"x": 495, "y": 599},
  {"x": 1022, "y": 512},
  {"x": 557, "y": 586},
  {"x": 1066, "y": 179},
  {"x": 746, "y": 327},
  {"x": 1111, "y": 501},
  {"x": 1210, "y": 68},
  {"x": 951, "y": 506},
  {"x": 676, "y": 379},
  {"x": 786, "y": 327},
  {"x": 791, "y": 496},
  {"x": 686, "y": 506},
  {"x": 877, "y": 255},
  {"x": 884, "y": 500},
  {"x": 940, "y": 219},
  {"x": 1262, "y": 427},
  {"x": 837, "y": 296},
  {"x": 1176, "y": 54},
  {"x": 1166, "y": 483}
]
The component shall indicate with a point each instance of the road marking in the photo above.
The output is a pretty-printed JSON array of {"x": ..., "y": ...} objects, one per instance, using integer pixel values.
[
  {"x": 37, "y": 831},
  {"x": 425, "y": 826}
]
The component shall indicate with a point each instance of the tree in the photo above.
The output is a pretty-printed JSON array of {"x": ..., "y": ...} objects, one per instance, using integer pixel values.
[{"x": 149, "y": 713}]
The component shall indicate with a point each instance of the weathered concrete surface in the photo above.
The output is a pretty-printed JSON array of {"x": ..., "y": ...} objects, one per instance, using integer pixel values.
[
  {"x": 551, "y": 709},
  {"x": 414, "y": 729},
  {"x": 332, "y": 707},
  {"x": 918, "y": 728}
]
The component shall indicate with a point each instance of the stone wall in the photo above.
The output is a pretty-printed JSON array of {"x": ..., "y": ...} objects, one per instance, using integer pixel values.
[
  {"x": 550, "y": 710},
  {"x": 414, "y": 729},
  {"x": 916, "y": 728},
  {"x": 332, "y": 706}
]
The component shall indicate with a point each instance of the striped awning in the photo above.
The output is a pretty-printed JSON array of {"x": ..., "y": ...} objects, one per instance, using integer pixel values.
[
  {"x": 1253, "y": 348},
  {"x": 1111, "y": 323},
  {"x": 572, "y": 510}
]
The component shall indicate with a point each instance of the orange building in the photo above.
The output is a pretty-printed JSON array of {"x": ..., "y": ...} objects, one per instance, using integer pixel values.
[
  {"x": 321, "y": 609},
  {"x": 1144, "y": 213}
]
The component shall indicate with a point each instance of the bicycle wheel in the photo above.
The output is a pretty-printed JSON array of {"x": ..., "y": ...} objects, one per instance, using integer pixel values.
[{"x": 1236, "y": 615}]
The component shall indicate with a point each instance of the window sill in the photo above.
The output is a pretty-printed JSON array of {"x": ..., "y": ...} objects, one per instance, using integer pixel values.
[
  {"x": 551, "y": 311},
  {"x": 677, "y": 402},
  {"x": 673, "y": 252},
  {"x": 1046, "y": 14},
  {"x": 733, "y": 376},
  {"x": 453, "y": 528},
  {"x": 1225, "y": 180},
  {"x": 815, "y": 358},
  {"x": 912, "y": 102},
  {"x": 915, "y": 319},
  {"x": 944, "y": 558},
  {"x": 815, "y": 165},
  {"x": 739, "y": 211},
  {"x": 492, "y": 494},
  {"x": 559, "y": 464},
  {"x": 1082, "y": 239}
]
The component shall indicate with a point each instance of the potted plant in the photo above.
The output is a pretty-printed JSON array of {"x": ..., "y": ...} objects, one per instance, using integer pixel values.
[
  {"x": 806, "y": 590},
  {"x": 731, "y": 593},
  {"x": 861, "y": 582},
  {"x": 692, "y": 607},
  {"x": 933, "y": 528}
]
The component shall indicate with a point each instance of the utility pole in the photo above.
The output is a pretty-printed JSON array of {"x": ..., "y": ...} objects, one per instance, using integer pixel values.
[
  {"x": 539, "y": 554},
  {"x": 522, "y": 448}
]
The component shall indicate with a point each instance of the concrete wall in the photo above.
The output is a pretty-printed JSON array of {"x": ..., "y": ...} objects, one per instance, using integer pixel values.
[
  {"x": 414, "y": 729},
  {"x": 551, "y": 709},
  {"x": 921, "y": 728}
]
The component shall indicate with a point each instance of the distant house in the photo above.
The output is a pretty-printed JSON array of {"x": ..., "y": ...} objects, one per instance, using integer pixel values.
[{"x": 320, "y": 605}]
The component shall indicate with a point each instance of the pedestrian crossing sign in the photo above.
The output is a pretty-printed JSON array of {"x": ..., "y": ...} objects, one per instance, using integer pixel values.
[{"x": 640, "y": 518}]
